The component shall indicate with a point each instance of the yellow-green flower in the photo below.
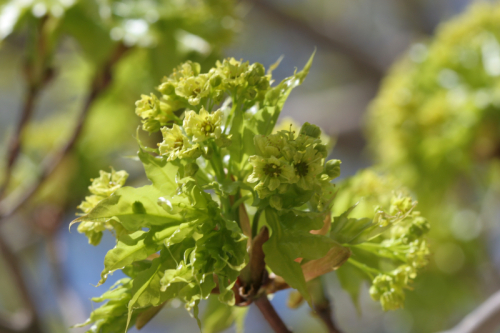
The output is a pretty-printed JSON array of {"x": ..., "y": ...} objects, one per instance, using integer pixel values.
[
  {"x": 271, "y": 173},
  {"x": 176, "y": 145},
  {"x": 269, "y": 145},
  {"x": 388, "y": 289},
  {"x": 203, "y": 126},
  {"x": 193, "y": 88},
  {"x": 307, "y": 165},
  {"x": 108, "y": 182},
  {"x": 101, "y": 188},
  {"x": 147, "y": 106}
]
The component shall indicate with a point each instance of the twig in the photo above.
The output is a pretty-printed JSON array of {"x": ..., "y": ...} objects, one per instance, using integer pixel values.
[
  {"x": 342, "y": 45},
  {"x": 270, "y": 314},
  {"x": 99, "y": 84}
]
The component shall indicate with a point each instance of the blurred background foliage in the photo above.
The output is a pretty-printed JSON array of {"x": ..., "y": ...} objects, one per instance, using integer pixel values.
[{"x": 434, "y": 126}]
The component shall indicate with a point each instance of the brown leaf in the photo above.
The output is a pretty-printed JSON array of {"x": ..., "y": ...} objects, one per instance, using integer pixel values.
[
  {"x": 146, "y": 316},
  {"x": 335, "y": 258}
]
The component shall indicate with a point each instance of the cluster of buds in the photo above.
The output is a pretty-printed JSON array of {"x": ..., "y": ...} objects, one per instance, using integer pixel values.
[
  {"x": 189, "y": 89},
  {"x": 101, "y": 188},
  {"x": 285, "y": 160},
  {"x": 389, "y": 288}
]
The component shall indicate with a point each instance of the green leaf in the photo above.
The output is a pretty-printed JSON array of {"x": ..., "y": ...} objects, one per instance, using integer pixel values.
[
  {"x": 352, "y": 231},
  {"x": 160, "y": 172},
  {"x": 217, "y": 317},
  {"x": 140, "y": 244},
  {"x": 134, "y": 208},
  {"x": 112, "y": 316},
  {"x": 286, "y": 245},
  {"x": 264, "y": 120}
]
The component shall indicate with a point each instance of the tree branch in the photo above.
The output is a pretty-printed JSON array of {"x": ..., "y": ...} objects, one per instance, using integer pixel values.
[
  {"x": 322, "y": 305},
  {"x": 270, "y": 314},
  {"x": 15, "y": 142},
  {"x": 363, "y": 60},
  {"x": 99, "y": 84},
  {"x": 18, "y": 278},
  {"x": 37, "y": 74}
]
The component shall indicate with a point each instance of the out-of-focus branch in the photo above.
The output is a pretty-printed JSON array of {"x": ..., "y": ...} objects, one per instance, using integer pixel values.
[
  {"x": 34, "y": 325},
  {"x": 37, "y": 74},
  {"x": 322, "y": 305},
  {"x": 484, "y": 319},
  {"x": 333, "y": 41},
  {"x": 99, "y": 84}
]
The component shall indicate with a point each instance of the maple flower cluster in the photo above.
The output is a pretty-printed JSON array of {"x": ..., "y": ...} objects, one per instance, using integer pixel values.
[{"x": 222, "y": 177}]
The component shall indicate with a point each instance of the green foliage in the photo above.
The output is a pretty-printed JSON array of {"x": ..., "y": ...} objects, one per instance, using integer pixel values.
[
  {"x": 435, "y": 126},
  {"x": 79, "y": 39},
  {"x": 187, "y": 235},
  {"x": 436, "y": 118},
  {"x": 385, "y": 234}
]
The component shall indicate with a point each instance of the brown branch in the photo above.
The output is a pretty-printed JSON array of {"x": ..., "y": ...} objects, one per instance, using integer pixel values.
[
  {"x": 99, "y": 84},
  {"x": 362, "y": 60},
  {"x": 17, "y": 276},
  {"x": 252, "y": 275},
  {"x": 15, "y": 142},
  {"x": 322, "y": 305},
  {"x": 38, "y": 74},
  {"x": 101, "y": 81},
  {"x": 270, "y": 314}
]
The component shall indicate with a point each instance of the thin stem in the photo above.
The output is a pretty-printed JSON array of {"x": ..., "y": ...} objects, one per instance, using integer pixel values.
[
  {"x": 255, "y": 222},
  {"x": 270, "y": 314},
  {"x": 240, "y": 201},
  {"x": 367, "y": 269}
]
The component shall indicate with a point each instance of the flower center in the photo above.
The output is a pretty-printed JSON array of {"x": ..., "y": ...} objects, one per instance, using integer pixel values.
[
  {"x": 207, "y": 127},
  {"x": 178, "y": 143},
  {"x": 302, "y": 169},
  {"x": 272, "y": 170}
]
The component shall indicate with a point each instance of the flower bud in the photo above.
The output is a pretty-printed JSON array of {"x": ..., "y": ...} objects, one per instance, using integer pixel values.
[
  {"x": 216, "y": 80},
  {"x": 332, "y": 168},
  {"x": 310, "y": 130},
  {"x": 191, "y": 169},
  {"x": 167, "y": 88},
  {"x": 251, "y": 93},
  {"x": 263, "y": 84}
]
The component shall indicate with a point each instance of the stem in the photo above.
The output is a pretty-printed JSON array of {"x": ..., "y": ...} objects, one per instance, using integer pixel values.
[
  {"x": 367, "y": 269},
  {"x": 255, "y": 222},
  {"x": 270, "y": 314}
]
